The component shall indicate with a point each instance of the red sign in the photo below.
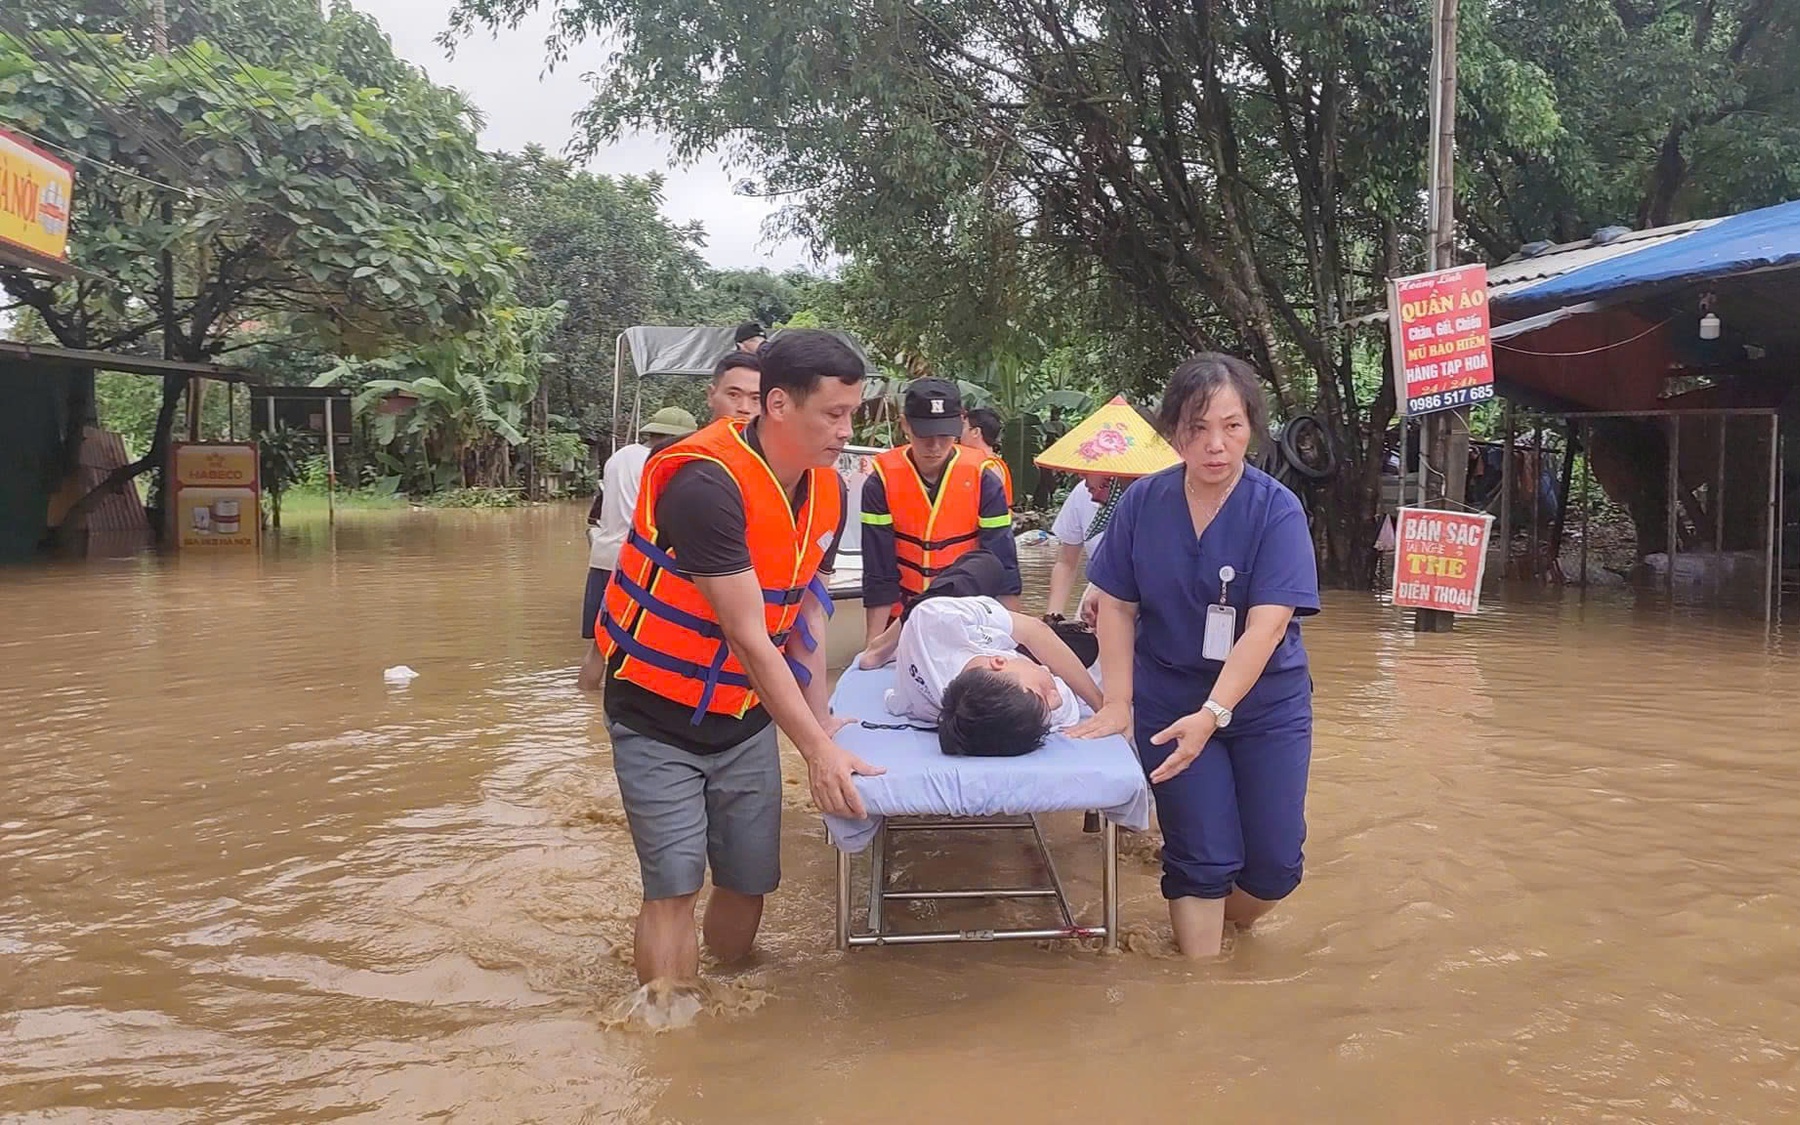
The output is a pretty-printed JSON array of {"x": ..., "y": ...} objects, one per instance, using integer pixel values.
[
  {"x": 1439, "y": 559},
  {"x": 1440, "y": 330}
]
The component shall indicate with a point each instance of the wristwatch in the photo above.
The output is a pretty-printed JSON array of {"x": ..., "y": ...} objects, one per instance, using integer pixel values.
[{"x": 1221, "y": 713}]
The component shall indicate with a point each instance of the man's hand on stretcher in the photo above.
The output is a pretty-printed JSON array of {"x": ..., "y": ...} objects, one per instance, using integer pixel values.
[
  {"x": 881, "y": 649},
  {"x": 800, "y": 713}
]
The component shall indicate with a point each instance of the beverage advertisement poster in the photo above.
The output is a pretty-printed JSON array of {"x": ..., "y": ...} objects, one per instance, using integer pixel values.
[{"x": 216, "y": 497}]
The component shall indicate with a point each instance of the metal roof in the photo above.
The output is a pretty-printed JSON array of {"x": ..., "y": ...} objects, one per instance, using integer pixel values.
[
  {"x": 1521, "y": 273},
  {"x": 114, "y": 361},
  {"x": 1517, "y": 274}
]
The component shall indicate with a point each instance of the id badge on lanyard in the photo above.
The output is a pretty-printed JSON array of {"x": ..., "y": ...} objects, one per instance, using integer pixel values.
[{"x": 1221, "y": 622}]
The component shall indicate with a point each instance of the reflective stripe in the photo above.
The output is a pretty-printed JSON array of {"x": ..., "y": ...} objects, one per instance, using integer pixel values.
[
  {"x": 878, "y": 519},
  {"x": 996, "y": 521}
]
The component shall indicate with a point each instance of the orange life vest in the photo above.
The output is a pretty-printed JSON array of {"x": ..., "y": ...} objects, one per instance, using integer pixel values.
[
  {"x": 994, "y": 462},
  {"x": 654, "y": 614},
  {"x": 930, "y": 535}
]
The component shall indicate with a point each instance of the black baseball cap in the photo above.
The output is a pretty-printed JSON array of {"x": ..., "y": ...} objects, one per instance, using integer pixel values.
[
  {"x": 749, "y": 330},
  {"x": 933, "y": 408}
]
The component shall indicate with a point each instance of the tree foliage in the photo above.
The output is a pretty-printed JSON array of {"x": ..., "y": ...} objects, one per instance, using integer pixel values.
[
  {"x": 257, "y": 191},
  {"x": 601, "y": 246},
  {"x": 1654, "y": 112},
  {"x": 450, "y": 413},
  {"x": 1221, "y": 175},
  {"x": 294, "y": 196}
]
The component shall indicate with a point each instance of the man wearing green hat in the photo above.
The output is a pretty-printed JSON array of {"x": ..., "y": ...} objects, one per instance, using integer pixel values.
[{"x": 609, "y": 520}]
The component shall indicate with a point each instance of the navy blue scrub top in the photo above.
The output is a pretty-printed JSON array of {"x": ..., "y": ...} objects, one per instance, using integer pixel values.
[{"x": 1150, "y": 556}]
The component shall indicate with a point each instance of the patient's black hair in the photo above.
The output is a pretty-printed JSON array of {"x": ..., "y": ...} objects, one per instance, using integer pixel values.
[{"x": 986, "y": 715}]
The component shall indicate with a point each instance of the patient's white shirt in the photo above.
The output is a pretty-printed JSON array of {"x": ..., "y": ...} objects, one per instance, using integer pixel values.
[{"x": 939, "y": 637}]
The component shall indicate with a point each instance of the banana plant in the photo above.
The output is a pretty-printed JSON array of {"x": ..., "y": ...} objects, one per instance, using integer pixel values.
[{"x": 464, "y": 402}]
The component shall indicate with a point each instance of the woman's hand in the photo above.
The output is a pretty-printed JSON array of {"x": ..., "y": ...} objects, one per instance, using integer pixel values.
[
  {"x": 1112, "y": 718},
  {"x": 1190, "y": 734}
]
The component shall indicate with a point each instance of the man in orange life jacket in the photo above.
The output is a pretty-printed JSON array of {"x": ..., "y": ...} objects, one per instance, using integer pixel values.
[
  {"x": 926, "y": 505},
  {"x": 981, "y": 432},
  {"x": 713, "y": 623}
]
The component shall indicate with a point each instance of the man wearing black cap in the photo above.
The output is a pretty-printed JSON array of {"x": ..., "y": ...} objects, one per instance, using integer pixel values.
[
  {"x": 749, "y": 337},
  {"x": 927, "y": 504}
]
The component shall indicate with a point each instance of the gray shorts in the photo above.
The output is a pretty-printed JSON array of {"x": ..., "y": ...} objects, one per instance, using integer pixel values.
[{"x": 687, "y": 809}]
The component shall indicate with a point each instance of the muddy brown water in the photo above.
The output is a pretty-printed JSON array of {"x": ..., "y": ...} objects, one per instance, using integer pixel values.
[{"x": 1551, "y": 877}]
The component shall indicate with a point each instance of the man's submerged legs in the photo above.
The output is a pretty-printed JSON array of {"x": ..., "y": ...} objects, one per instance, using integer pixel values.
[
  {"x": 731, "y": 922},
  {"x": 665, "y": 945}
]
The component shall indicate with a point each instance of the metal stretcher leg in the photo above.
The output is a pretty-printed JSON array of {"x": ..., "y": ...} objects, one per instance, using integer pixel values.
[
  {"x": 1109, "y": 884},
  {"x": 878, "y": 854},
  {"x": 879, "y": 861},
  {"x": 843, "y": 898}
]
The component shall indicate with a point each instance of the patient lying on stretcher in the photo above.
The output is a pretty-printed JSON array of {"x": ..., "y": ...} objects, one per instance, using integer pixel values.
[{"x": 957, "y": 663}]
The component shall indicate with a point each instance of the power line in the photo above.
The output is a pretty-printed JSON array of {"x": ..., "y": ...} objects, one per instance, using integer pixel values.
[
  {"x": 83, "y": 42},
  {"x": 119, "y": 169},
  {"x": 50, "y": 56}
]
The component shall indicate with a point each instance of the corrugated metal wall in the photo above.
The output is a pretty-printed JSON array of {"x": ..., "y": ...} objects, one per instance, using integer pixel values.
[{"x": 42, "y": 410}]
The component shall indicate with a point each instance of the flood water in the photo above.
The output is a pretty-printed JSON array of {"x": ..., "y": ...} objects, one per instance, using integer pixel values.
[{"x": 1552, "y": 876}]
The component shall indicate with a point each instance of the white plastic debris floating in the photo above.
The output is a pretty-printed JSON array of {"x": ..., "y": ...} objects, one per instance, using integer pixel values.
[{"x": 399, "y": 675}]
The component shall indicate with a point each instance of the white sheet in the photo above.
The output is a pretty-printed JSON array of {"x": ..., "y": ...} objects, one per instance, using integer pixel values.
[{"x": 1064, "y": 774}]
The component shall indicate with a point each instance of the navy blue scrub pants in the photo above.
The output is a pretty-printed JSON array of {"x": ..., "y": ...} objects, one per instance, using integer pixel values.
[{"x": 1236, "y": 817}]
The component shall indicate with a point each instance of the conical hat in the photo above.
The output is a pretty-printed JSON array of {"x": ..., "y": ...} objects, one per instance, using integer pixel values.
[{"x": 1114, "y": 440}]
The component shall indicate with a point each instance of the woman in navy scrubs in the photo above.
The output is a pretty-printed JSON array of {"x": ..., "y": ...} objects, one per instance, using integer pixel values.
[{"x": 1203, "y": 571}]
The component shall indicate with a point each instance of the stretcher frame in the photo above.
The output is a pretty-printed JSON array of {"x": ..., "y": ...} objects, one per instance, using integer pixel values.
[{"x": 877, "y": 933}]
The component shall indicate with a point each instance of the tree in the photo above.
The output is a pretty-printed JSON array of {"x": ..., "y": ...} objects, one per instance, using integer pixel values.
[
  {"x": 282, "y": 455},
  {"x": 1230, "y": 169},
  {"x": 602, "y": 247},
  {"x": 223, "y": 202},
  {"x": 733, "y": 296},
  {"x": 1242, "y": 175},
  {"x": 460, "y": 405},
  {"x": 1657, "y": 112}
]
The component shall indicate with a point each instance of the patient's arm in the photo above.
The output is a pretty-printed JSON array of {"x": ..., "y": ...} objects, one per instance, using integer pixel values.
[
  {"x": 881, "y": 649},
  {"x": 1055, "y": 654}
]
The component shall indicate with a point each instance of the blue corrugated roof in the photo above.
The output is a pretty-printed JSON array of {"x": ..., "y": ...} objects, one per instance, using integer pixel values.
[{"x": 1755, "y": 240}]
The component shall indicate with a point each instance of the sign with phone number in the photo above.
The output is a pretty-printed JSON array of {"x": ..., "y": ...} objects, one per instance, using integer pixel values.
[
  {"x": 1450, "y": 400},
  {"x": 1443, "y": 357}
]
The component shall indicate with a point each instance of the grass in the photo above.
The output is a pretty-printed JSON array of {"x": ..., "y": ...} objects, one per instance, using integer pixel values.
[
  {"x": 309, "y": 500},
  {"x": 305, "y": 501}
]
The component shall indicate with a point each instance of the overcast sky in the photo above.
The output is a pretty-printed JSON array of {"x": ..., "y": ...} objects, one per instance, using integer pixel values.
[{"x": 505, "y": 76}]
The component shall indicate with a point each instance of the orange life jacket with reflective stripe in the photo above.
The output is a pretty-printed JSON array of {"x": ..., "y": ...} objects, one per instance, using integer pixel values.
[
  {"x": 930, "y": 535},
  {"x": 657, "y": 617},
  {"x": 999, "y": 466}
]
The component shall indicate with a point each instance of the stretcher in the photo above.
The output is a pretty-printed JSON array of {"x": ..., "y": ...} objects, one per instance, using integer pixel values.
[{"x": 926, "y": 790}]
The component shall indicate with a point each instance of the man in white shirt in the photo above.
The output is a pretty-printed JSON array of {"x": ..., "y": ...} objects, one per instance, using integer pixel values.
[
  {"x": 609, "y": 520},
  {"x": 1079, "y": 527},
  {"x": 958, "y": 664}
]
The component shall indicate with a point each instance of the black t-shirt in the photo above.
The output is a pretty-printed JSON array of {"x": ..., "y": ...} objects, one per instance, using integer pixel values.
[{"x": 700, "y": 520}]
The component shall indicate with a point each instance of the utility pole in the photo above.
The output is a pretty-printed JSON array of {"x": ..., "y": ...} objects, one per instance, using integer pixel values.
[
  {"x": 159, "y": 42},
  {"x": 1445, "y": 441}
]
